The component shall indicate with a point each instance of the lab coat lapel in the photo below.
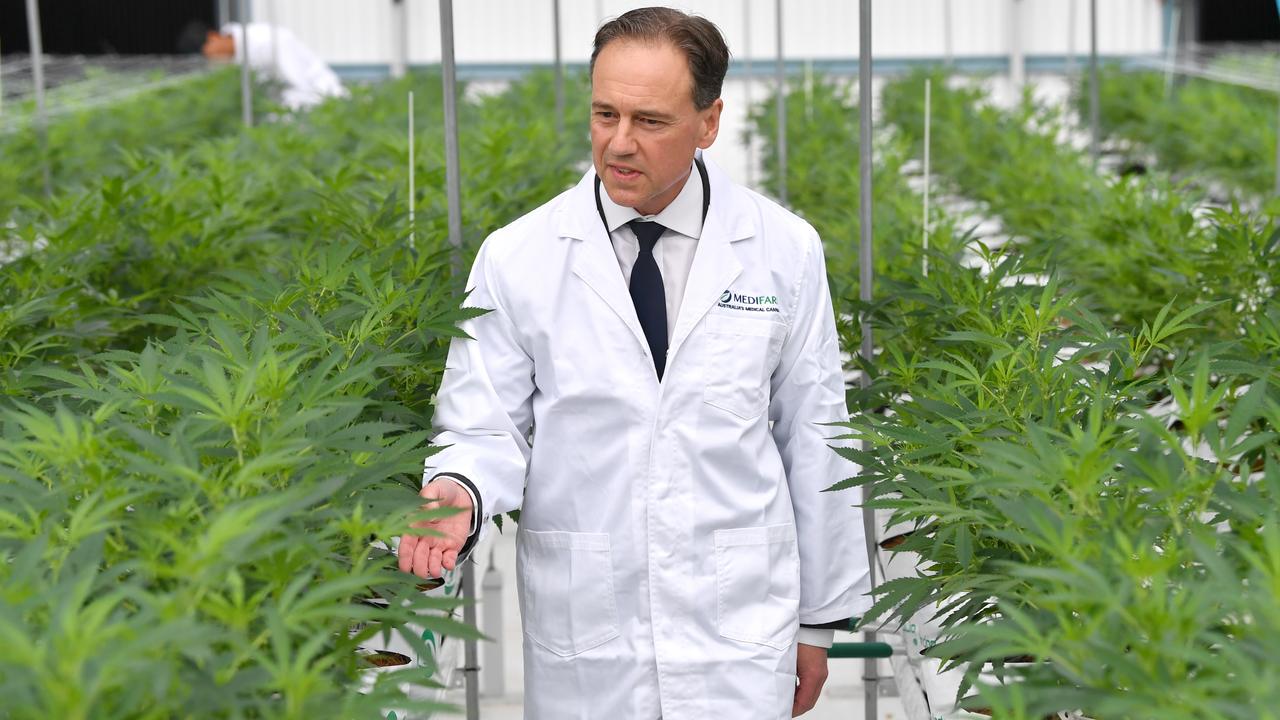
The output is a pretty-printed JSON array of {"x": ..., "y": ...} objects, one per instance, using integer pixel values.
[
  {"x": 715, "y": 264},
  {"x": 715, "y": 267},
  {"x": 594, "y": 261}
]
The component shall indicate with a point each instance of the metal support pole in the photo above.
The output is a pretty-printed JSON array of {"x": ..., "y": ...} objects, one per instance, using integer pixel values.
[
  {"x": 1095, "y": 139},
  {"x": 866, "y": 276},
  {"x": 275, "y": 38},
  {"x": 246, "y": 84},
  {"x": 469, "y": 671},
  {"x": 555, "y": 11},
  {"x": 748, "y": 138},
  {"x": 399, "y": 39},
  {"x": 1017, "y": 58},
  {"x": 224, "y": 13},
  {"x": 491, "y": 605},
  {"x": 37, "y": 78},
  {"x": 948, "y": 39},
  {"x": 453, "y": 178},
  {"x": 1071, "y": 37},
  {"x": 1171, "y": 45},
  {"x": 782, "y": 110}
]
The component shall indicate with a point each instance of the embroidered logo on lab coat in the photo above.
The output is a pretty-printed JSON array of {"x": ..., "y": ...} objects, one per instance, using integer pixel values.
[{"x": 749, "y": 303}]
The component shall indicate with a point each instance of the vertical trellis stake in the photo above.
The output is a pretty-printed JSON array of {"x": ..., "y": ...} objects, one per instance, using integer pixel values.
[
  {"x": 749, "y": 80},
  {"x": 413, "y": 202},
  {"x": 928, "y": 178}
]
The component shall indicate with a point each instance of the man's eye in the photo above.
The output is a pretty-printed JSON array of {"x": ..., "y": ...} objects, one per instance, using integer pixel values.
[
  {"x": 650, "y": 122},
  {"x": 604, "y": 114}
]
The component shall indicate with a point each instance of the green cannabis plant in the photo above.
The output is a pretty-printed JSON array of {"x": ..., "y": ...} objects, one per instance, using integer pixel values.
[{"x": 218, "y": 367}]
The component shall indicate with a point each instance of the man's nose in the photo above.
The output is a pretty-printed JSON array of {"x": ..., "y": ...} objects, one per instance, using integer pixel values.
[{"x": 623, "y": 140}]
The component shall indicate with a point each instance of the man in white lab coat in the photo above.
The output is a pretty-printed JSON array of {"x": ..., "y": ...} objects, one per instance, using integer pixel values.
[
  {"x": 667, "y": 338},
  {"x": 277, "y": 53}
]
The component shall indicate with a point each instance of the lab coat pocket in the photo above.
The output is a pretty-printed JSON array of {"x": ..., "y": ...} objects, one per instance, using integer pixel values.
[
  {"x": 741, "y": 355},
  {"x": 758, "y": 584},
  {"x": 566, "y": 593}
]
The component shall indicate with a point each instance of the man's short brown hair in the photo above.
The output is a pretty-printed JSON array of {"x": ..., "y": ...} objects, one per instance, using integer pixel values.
[{"x": 698, "y": 38}]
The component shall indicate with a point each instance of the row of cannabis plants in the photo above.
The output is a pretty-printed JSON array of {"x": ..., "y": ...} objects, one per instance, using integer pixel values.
[
  {"x": 1212, "y": 133},
  {"x": 1083, "y": 469},
  {"x": 216, "y": 383},
  {"x": 82, "y": 144}
]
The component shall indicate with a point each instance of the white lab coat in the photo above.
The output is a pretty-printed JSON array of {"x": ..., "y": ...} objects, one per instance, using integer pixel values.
[
  {"x": 671, "y": 536},
  {"x": 277, "y": 53}
]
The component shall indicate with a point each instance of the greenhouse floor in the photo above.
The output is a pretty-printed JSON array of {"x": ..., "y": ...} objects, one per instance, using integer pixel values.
[{"x": 842, "y": 698}]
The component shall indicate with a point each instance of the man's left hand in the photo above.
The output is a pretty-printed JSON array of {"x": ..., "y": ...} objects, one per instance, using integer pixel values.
[{"x": 811, "y": 669}]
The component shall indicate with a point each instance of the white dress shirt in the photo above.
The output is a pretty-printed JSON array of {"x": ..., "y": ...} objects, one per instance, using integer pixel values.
[{"x": 675, "y": 249}]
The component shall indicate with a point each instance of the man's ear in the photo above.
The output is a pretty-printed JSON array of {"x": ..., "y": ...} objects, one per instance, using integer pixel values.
[{"x": 711, "y": 124}]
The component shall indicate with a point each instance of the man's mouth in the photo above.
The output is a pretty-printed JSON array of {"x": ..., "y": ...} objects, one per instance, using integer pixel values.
[{"x": 624, "y": 173}]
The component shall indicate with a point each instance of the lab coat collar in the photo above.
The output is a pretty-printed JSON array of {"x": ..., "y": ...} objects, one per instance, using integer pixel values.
[
  {"x": 683, "y": 214},
  {"x": 580, "y": 220},
  {"x": 715, "y": 264}
]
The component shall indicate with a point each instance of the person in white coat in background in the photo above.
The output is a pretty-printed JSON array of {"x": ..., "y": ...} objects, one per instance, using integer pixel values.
[
  {"x": 651, "y": 387},
  {"x": 277, "y": 53}
]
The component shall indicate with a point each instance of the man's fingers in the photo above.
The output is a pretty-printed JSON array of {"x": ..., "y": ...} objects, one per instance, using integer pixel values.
[
  {"x": 422, "y": 560},
  {"x": 432, "y": 552},
  {"x": 433, "y": 564},
  {"x": 407, "y": 545}
]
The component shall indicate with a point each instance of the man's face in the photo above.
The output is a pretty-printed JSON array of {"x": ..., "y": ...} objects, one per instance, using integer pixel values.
[
  {"x": 644, "y": 125},
  {"x": 218, "y": 46}
]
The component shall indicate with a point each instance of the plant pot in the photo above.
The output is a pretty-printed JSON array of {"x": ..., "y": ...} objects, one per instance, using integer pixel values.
[{"x": 387, "y": 659}]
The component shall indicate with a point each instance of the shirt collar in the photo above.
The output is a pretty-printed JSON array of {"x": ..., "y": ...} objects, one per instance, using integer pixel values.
[{"x": 683, "y": 215}]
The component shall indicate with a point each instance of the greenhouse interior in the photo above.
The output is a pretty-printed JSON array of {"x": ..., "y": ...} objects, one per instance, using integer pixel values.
[{"x": 322, "y": 395}]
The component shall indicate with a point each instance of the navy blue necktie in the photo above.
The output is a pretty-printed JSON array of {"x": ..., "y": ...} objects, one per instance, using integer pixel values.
[{"x": 648, "y": 294}]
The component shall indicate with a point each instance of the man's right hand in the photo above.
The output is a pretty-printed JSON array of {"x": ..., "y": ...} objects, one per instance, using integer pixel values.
[{"x": 428, "y": 556}]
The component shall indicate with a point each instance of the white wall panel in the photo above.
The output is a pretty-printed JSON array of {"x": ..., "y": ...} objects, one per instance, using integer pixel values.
[{"x": 520, "y": 31}]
